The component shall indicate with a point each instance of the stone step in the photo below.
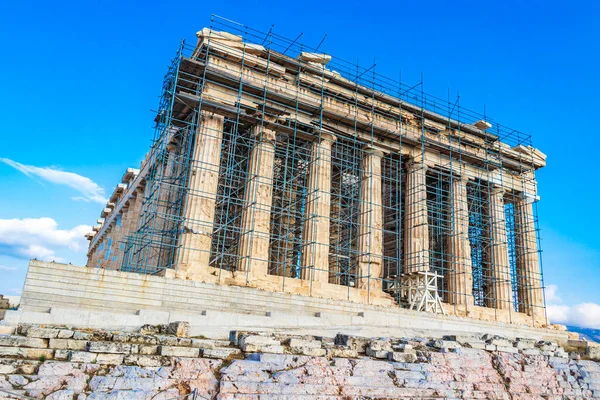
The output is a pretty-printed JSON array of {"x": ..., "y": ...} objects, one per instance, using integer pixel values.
[
  {"x": 181, "y": 300},
  {"x": 22, "y": 341},
  {"x": 40, "y": 354}
]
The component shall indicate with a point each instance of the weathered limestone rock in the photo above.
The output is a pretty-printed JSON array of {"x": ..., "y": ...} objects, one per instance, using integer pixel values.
[
  {"x": 65, "y": 334},
  {"x": 114, "y": 348},
  {"x": 402, "y": 357},
  {"x": 174, "y": 351},
  {"x": 307, "y": 347},
  {"x": 69, "y": 344},
  {"x": 20, "y": 341},
  {"x": 592, "y": 351},
  {"x": 356, "y": 343},
  {"x": 221, "y": 353},
  {"x": 180, "y": 329},
  {"x": 256, "y": 343},
  {"x": 43, "y": 333},
  {"x": 379, "y": 349},
  {"x": 136, "y": 338},
  {"x": 446, "y": 344},
  {"x": 26, "y": 352},
  {"x": 413, "y": 368},
  {"x": 110, "y": 359},
  {"x": 341, "y": 352}
]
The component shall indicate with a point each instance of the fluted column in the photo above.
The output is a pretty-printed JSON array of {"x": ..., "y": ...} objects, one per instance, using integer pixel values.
[
  {"x": 370, "y": 228},
  {"x": 93, "y": 257},
  {"x": 256, "y": 215},
  {"x": 416, "y": 228},
  {"x": 315, "y": 257},
  {"x": 135, "y": 209},
  {"x": 500, "y": 294},
  {"x": 528, "y": 265},
  {"x": 117, "y": 238},
  {"x": 166, "y": 222},
  {"x": 196, "y": 239},
  {"x": 131, "y": 216},
  {"x": 460, "y": 275}
]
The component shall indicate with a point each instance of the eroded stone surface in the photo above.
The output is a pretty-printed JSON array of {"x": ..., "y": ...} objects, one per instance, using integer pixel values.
[{"x": 119, "y": 365}]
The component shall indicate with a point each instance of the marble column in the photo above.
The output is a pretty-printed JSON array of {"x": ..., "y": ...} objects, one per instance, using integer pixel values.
[
  {"x": 131, "y": 216},
  {"x": 416, "y": 226},
  {"x": 124, "y": 233},
  {"x": 528, "y": 265},
  {"x": 117, "y": 237},
  {"x": 196, "y": 239},
  {"x": 460, "y": 273},
  {"x": 315, "y": 257},
  {"x": 500, "y": 289},
  {"x": 165, "y": 218},
  {"x": 256, "y": 215},
  {"x": 370, "y": 228}
]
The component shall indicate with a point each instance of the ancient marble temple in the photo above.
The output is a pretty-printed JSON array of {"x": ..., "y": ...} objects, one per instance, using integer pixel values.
[{"x": 278, "y": 167}]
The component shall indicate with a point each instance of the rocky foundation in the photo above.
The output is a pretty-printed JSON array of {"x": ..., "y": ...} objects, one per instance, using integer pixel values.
[{"x": 161, "y": 362}]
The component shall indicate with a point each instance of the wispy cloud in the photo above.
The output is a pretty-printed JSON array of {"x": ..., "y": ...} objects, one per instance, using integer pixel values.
[
  {"x": 584, "y": 315},
  {"x": 40, "y": 238},
  {"x": 89, "y": 190},
  {"x": 6, "y": 268}
]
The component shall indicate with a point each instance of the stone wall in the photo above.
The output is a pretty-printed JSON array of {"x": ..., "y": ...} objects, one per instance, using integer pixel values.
[
  {"x": 162, "y": 362},
  {"x": 90, "y": 297}
]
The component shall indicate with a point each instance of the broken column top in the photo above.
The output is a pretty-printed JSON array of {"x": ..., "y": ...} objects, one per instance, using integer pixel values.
[
  {"x": 206, "y": 33},
  {"x": 209, "y": 36},
  {"x": 316, "y": 58},
  {"x": 482, "y": 124},
  {"x": 129, "y": 174}
]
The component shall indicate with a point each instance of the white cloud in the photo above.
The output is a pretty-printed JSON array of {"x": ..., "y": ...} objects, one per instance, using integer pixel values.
[
  {"x": 90, "y": 191},
  {"x": 40, "y": 237},
  {"x": 6, "y": 268},
  {"x": 584, "y": 315},
  {"x": 551, "y": 295}
]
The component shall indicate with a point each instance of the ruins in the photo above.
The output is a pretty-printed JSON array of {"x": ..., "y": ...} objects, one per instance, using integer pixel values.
[
  {"x": 277, "y": 167},
  {"x": 303, "y": 228}
]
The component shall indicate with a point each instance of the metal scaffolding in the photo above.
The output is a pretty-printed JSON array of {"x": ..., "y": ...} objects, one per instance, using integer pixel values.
[{"x": 194, "y": 86}]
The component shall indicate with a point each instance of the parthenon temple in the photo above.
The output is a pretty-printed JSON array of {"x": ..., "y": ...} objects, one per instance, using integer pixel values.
[{"x": 278, "y": 167}]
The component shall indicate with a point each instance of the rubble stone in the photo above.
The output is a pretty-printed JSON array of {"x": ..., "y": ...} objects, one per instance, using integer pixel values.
[
  {"x": 413, "y": 368},
  {"x": 257, "y": 343}
]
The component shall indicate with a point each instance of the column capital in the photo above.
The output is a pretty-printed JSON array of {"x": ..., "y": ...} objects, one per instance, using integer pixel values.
[
  {"x": 205, "y": 115},
  {"x": 497, "y": 190},
  {"x": 263, "y": 133},
  {"x": 459, "y": 178},
  {"x": 324, "y": 136},
  {"x": 370, "y": 149},
  {"x": 416, "y": 163},
  {"x": 527, "y": 198}
]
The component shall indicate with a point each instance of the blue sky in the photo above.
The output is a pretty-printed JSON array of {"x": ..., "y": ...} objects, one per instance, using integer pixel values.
[{"x": 79, "y": 81}]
